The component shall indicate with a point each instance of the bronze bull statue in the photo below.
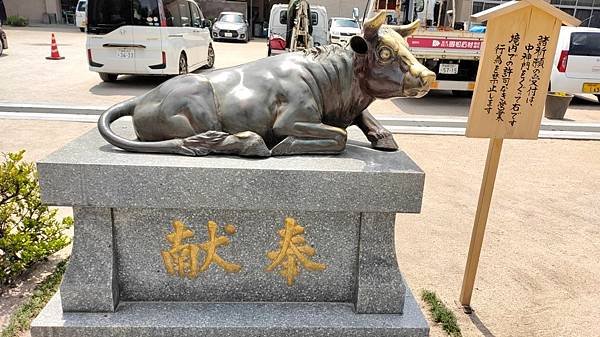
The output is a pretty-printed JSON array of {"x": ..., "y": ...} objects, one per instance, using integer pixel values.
[{"x": 297, "y": 103}]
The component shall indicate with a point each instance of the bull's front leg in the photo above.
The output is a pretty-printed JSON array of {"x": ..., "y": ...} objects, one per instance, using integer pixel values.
[
  {"x": 309, "y": 138},
  {"x": 380, "y": 137}
]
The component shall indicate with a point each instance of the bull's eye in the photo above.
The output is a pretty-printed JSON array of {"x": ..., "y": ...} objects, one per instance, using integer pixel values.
[{"x": 385, "y": 54}]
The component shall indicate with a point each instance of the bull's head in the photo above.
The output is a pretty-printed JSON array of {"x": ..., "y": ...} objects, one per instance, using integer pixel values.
[{"x": 386, "y": 66}]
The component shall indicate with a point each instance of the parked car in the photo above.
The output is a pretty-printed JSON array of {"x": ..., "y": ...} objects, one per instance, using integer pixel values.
[
  {"x": 576, "y": 67},
  {"x": 278, "y": 24},
  {"x": 3, "y": 41},
  {"x": 139, "y": 37},
  {"x": 80, "y": 15},
  {"x": 231, "y": 26},
  {"x": 342, "y": 29}
]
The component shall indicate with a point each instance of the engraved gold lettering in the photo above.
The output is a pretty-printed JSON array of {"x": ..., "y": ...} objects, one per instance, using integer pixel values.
[
  {"x": 292, "y": 249},
  {"x": 182, "y": 258}
]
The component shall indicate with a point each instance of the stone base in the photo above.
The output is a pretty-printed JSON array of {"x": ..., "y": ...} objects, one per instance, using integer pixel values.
[
  {"x": 160, "y": 319},
  {"x": 121, "y": 278}
]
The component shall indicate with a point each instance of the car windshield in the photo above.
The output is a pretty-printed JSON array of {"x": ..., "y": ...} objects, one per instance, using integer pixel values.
[
  {"x": 105, "y": 16},
  {"x": 345, "y": 23},
  {"x": 585, "y": 44},
  {"x": 81, "y": 6},
  {"x": 109, "y": 13},
  {"x": 233, "y": 18}
]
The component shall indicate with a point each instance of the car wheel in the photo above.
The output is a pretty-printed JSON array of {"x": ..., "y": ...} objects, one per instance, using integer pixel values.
[
  {"x": 1, "y": 48},
  {"x": 108, "y": 77},
  {"x": 81, "y": 29},
  {"x": 183, "y": 67},
  {"x": 210, "y": 61},
  {"x": 269, "y": 52}
]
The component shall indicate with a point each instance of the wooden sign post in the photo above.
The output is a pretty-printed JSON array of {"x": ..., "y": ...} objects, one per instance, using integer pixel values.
[{"x": 510, "y": 92}]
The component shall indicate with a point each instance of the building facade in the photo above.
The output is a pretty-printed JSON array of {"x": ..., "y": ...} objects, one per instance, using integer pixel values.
[
  {"x": 37, "y": 11},
  {"x": 257, "y": 11},
  {"x": 588, "y": 11}
]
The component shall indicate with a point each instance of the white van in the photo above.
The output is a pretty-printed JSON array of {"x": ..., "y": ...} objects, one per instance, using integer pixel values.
[
  {"x": 576, "y": 68},
  {"x": 151, "y": 37},
  {"x": 278, "y": 23},
  {"x": 341, "y": 30},
  {"x": 80, "y": 17}
]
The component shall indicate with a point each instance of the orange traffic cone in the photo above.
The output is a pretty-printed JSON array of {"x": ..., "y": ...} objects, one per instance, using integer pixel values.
[{"x": 54, "y": 55}]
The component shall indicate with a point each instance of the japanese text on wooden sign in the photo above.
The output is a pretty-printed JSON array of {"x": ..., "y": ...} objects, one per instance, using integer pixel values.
[{"x": 513, "y": 76}]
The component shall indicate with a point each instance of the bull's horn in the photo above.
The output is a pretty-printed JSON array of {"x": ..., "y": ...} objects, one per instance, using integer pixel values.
[
  {"x": 371, "y": 26},
  {"x": 406, "y": 30}
]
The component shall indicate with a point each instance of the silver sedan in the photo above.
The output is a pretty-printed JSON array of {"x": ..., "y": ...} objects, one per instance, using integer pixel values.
[{"x": 230, "y": 26}]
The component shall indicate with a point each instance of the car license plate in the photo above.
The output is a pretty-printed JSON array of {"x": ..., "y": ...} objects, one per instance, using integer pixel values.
[
  {"x": 125, "y": 53},
  {"x": 228, "y": 34},
  {"x": 591, "y": 88},
  {"x": 449, "y": 69}
]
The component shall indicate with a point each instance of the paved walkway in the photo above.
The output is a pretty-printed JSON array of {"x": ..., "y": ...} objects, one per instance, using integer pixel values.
[{"x": 27, "y": 77}]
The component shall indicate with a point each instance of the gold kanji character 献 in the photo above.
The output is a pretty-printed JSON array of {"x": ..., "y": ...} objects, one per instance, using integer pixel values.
[
  {"x": 182, "y": 258},
  {"x": 292, "y": 249}
]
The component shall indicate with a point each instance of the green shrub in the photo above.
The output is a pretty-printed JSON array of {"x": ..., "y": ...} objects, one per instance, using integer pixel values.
[
  {"x": 17, "y": 20},
  {"x": 29, "y": 230}
]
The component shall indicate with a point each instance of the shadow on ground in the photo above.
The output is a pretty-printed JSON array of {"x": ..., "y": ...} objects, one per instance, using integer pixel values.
[
  {"x": 584, "y": 103},
  {"x": 435, "y": 103},
  {"x": 480, "y": 326},
  {"x": 127, "y": 85},
  {"x": 133, "y": 85},
  {"x": 444, "y": 103}
]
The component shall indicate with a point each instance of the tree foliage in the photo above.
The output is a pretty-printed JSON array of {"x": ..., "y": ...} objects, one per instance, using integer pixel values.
[{"x": 29, "y": 230}]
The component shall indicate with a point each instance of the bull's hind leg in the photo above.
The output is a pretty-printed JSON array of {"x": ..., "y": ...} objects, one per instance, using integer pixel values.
[
  {"x": 245, "y": 143},
  {"x": 310, "y": 138}
]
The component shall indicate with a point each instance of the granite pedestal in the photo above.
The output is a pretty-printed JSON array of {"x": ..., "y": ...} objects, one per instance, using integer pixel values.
[{"x": 226, "y": 246}]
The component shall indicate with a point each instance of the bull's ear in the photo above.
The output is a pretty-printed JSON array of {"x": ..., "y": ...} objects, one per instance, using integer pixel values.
[
  {"x": 371, "y": 26},
  {"x": 406, "y": 30},
  {"x": 359, "y": 44}
]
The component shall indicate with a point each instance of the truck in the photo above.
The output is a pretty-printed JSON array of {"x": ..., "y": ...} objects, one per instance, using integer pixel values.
[
  {"x": 278, "y": 28},
  {"x": 440, "y": 44}
]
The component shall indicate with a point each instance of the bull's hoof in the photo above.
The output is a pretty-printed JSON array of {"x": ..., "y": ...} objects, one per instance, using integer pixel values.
[
  {"x": 283, "y": 148},
  {"x": 385, "y": 144},
  {"x": 252, "y": 145}
]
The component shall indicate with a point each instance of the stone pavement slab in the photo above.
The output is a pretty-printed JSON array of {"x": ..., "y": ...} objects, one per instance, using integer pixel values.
[{"x": 161, "y": 319}]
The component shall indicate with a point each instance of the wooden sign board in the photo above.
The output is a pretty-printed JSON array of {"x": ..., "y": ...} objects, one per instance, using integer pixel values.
[
  {"x": 510, "y": 92},
  {"x": 514, "y": 69}
]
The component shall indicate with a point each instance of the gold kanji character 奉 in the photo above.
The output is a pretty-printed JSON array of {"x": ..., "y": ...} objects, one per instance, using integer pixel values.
[
  {"x": 292, "y": 249},
  {"x": 182, "y": 258}
]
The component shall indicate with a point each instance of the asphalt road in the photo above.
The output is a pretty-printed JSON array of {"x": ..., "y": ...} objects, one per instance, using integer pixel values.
[{"x": 27, "y": 77}]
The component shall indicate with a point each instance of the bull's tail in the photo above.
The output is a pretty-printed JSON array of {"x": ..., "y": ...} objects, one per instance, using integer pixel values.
[{"x": 126, "y": 109}]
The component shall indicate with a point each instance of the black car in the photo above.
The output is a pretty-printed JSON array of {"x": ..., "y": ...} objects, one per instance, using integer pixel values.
[{"x": 3, "y": 41}]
